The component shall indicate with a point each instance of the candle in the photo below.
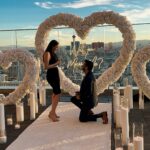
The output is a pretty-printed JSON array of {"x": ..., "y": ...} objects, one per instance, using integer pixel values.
[
  {"x": 17, "y": 126},
  {"x": 36, "y": 100},
  {"x": 20, "y": 112},
  {"x": 32, "y": 106},
  {"x": 125, "y": 125},
  {"x": 116, "y": 103},
  {"x": 130, "y": 146},
  {"x": 119, "y": 148},
  {"x": 42, "y": 96},
  {"x": 118, "y": 118},
  {"x": 2, "y": 118},
  {"x": 9, "y": 121},
  {"x": 128, "y": 93},
  {"x": 40, "y": 92},
  {"x": 3, "y": 139},
  {"x": 141, "y": 100},
  {"x": 138, "y": 143}
]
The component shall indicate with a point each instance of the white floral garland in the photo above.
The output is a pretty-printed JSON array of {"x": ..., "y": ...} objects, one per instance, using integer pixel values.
[
  {"x": 82, "y": 28},
  {"x": 138, "y": 69},
  {"x": 28, "y": 83}
]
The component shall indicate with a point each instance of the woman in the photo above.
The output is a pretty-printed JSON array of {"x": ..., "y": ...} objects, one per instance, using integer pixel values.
[{"x": 50, "y": 63}]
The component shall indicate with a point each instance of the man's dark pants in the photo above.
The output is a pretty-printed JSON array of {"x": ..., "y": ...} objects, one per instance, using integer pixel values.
[{"x": 85, "y": 109}]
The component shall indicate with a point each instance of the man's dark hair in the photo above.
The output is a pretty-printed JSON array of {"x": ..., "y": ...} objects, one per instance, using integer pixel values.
[{"x": 89, "y": 64}]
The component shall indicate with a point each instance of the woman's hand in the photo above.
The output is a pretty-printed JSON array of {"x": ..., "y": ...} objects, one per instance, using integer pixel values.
[{"x": 58, "y": 62}]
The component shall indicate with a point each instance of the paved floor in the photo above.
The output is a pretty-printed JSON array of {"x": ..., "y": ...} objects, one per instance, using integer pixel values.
[
  {"x": 135, "y": 115},
  {"x": 13, "y": 133},
  {"x": 68, "y": 133}
]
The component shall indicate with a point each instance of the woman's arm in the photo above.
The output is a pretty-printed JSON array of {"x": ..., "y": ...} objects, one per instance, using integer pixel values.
[{"x": 46, "y": 59}]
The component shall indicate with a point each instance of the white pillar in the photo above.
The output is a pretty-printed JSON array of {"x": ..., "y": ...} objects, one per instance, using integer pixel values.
[
  {"x": 128, "y": 93},
  {"x": 130, "y": 146},
  {"x": 118, "y": 118},
  {"x": 141, "y": 100},
  {"x": 19, "y": 112},
  {"x": 116, "y": 103},
  {"x": 3, "y": 138},
  {"x": 36, "y": 100},
  {"x": 42, "y": 93},
  {"x": 32, "y": 106},
  {"x": 125, "y": 125},
  {"x": 138, "y": 143}
]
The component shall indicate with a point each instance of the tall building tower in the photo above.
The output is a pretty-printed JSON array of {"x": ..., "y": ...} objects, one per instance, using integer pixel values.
[{"x": 73, "y": 45}]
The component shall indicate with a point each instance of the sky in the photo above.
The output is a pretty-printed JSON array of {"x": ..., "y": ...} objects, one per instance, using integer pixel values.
[{"x": 16, "y": 14}]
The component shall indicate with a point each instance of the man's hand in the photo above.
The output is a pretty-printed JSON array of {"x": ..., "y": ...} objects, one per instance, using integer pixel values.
[{"x": 77, "y": 95}]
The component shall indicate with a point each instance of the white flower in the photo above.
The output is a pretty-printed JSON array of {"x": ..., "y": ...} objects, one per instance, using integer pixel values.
[
  {"x": 139, "y": 70},
  {"x": 30, "y": 76},
  {"x": 82, "y": 27}
]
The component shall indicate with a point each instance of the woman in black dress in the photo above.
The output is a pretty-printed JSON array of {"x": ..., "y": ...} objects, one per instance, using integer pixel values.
[{"x": 50, "y": 63}]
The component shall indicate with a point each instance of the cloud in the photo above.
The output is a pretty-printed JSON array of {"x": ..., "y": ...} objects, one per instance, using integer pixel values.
[
  {"x": 120, "y": 5},
  {"x": 46, "y": 5},
  {"x": 128, "y": 6},
  {"x": 75, "y": 4},
  {"x": 138, "y": 15}
]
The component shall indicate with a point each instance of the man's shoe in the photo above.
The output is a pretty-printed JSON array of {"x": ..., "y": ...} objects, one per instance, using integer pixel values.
[
  {"x": 90, "y": 112},
  {"x": 105, "y": 117}
]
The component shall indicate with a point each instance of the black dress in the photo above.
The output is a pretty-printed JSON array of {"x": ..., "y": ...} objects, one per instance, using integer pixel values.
[{"x": 53, "y": 75}]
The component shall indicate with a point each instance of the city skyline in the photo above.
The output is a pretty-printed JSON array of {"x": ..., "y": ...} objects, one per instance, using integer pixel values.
[{"x": 64, "y": 36}]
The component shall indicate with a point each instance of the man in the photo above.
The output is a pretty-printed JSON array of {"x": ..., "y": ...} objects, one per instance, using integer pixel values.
[{"x": 85, "y": 98}]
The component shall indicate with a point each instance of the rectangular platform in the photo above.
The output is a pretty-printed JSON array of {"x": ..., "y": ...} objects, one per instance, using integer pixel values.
[{"x": 68, "y": 133}]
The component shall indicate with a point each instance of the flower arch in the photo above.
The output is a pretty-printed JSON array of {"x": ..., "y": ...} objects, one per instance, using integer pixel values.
[
  {"x": 82, "y": 28},
  {"x": 25, "y": 57},
  {"x": 138, "y": 69}
]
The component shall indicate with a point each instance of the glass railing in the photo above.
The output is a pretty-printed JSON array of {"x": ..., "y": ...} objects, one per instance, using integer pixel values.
[{"x": 102, "y": 46}]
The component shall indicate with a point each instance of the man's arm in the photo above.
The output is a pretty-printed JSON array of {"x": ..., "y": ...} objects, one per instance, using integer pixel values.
[{"x": 86, "y": 91}]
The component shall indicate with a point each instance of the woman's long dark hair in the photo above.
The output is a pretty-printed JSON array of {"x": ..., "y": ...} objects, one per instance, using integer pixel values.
[{"x": 50, "y": 46}]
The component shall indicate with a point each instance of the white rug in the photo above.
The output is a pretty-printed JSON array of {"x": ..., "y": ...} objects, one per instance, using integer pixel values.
[{"x": 68, "y": 133}]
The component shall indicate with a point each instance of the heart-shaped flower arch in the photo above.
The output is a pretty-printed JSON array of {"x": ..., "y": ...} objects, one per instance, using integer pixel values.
[
  {"x": 139, "y": 70},
  {"x": 30, "y": 77},
  {"x": 82, "y": 28}
]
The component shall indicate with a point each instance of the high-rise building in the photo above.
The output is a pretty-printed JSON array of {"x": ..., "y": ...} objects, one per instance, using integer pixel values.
[
  {"x": 97, "y": 45},
  {"x": 75, "y": 45}
]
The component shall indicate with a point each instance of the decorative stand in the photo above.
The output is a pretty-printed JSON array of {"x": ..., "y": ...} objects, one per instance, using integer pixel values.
[
  {"x": 141, "y": 100},
  {"x": 9, "y": 120},
  {"x": 32, "y": 106},
  {"x": 138, "y": 139},
  {"x": 3, "y": 137},
  {"x": 118, "y": 140}
]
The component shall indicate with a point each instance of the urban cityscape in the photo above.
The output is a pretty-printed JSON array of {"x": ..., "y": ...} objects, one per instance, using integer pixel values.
[{"x": 102, "y": 54}]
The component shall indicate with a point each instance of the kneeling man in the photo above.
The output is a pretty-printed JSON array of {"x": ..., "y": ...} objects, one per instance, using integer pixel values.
[{"x": 85, "y": 99}]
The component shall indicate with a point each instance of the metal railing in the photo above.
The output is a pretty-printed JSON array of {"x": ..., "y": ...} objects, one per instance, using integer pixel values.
[{"x": 15, "y": 38}]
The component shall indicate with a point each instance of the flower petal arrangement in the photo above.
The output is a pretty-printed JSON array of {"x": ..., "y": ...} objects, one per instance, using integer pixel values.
[
  {"x": 26, "y": 58},
  {"x": 82, "y": 28},
  {"x": 138, "y": 69}
]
